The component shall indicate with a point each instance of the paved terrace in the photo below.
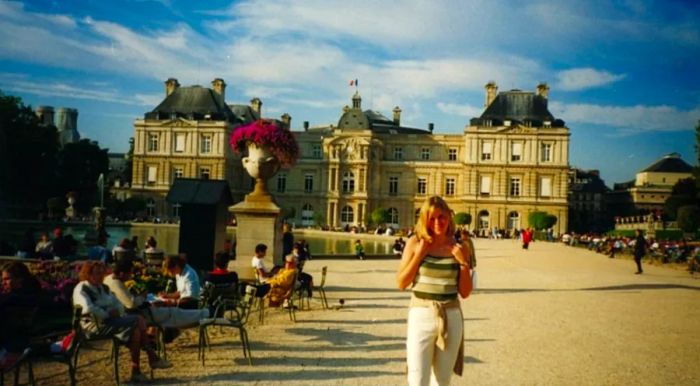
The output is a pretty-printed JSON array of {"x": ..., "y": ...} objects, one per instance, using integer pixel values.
[{"x": 551, "y": 315}]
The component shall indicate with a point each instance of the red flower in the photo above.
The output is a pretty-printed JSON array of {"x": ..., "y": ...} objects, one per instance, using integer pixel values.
[{"x": 266, "y": 133}]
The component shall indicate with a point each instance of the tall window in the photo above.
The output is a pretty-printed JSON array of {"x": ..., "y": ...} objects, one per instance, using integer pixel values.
[
  {"x": 205, "y": 144},
  {"x": 486, "y": 149},
  {"x": 393, "y": 216},
  {"x": 281, "y": 182},
  {"x": 346, "y": 214},
  {"x": 546, "y": 187},
  {"x": 178, "y": 172},
  {"x": 515, "y": 186},
  {"x": 333, "y": 178},
  {"x": 308, "y": 183},
  {"x": 179, "y": 142},
  {"x": 393, "y": 186},
  {"x": 425, "y": 153},
  {"x": 316, "y": 151},
  {"x": 150, "y": 207},
  {"x": 152, "y": 142},
  {"x": 422, "y": 185},
  {"x": 516, "y": 151},
  {"x": 307, "y": 215},
  {"x": 485, "y": 187},
  {"x": 204, "y": 173},
  {"x": 450, "y": 187},
  {"x": 361, "y": 183},
  {"x": 348, "y": 182},
  {"x": 452, "y": 154},
  {"x": 151, "y": 175},
  {"x": 546, "y": 152},
  {"x": 513, "y": 220},
  {"x": 398, "y": 153},
  {"x": 176, "y": 209}
]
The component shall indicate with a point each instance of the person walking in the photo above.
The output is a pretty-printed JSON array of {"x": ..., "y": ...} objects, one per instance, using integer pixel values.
[
  {"x": 527, "y": 237},
  {"x": 437, "y": 269},
  {"x": 640, "y": 249}
]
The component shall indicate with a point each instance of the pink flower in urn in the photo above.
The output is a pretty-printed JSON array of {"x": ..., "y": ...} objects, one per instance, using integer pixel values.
[{"x": 268, "y": 134}]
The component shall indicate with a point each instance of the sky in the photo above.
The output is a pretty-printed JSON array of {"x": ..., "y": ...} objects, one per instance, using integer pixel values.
[{"x": 622, "y": 74}]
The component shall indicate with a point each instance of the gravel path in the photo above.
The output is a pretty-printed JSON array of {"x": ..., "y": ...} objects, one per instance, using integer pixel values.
[{"x": 550, "y": 315}]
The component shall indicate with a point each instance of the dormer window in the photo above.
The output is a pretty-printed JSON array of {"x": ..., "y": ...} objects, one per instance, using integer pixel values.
[
  {"x": 506, "y": 123},
  {"x": 547, "y": 123},
  {"x": 488, "y": 123}
]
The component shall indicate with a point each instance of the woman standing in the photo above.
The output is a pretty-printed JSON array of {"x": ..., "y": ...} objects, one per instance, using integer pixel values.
[{"x": 437, "y": 267}]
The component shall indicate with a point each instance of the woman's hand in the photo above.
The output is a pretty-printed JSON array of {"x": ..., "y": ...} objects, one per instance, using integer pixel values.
[{"x": 460, "y": 254}]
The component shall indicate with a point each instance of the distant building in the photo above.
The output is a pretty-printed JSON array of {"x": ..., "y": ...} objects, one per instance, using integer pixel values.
[
  {"x": 587, "y": 202},
  {"x": 508, "y": 162},
  {"x": 65, "y": 120},
  {"x": 651, "y": 187}
]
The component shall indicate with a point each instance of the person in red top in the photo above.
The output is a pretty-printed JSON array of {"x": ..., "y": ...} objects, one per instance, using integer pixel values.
[{"x": 527, "y": 237}]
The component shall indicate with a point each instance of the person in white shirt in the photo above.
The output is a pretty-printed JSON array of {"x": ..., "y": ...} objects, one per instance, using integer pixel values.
[
  {"x": 167, "y": 317},
  {"x": 261, "y": 272},
  {"x": 97, "y": 300},
  {"x": 186, "y": 282}
]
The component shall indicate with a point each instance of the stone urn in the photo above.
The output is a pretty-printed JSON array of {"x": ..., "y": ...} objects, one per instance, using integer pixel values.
[{"x": 261, "y": 164}]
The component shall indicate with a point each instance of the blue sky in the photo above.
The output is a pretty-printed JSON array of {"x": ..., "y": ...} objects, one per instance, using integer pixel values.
[{"x": 623, "y": 74}]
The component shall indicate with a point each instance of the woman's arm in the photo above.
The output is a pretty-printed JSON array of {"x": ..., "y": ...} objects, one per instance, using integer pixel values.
[{"x": 413, "y": 255}]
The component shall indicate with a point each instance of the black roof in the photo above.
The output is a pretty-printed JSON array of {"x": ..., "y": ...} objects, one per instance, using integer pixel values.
[
  {"x": 199, "y": 191},
  {"x": 194, "y": 102},
  {"x": 518, "y": 106},
  {"x": 671, "y": 163}
]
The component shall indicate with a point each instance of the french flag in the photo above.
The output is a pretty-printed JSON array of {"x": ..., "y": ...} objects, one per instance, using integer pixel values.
[{"x": 354, "y": 82}]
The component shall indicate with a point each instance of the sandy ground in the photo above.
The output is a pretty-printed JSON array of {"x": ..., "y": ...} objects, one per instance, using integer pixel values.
[{"x": 550, "y": 315}]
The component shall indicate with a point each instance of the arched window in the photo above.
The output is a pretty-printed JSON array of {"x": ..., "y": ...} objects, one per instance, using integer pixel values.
[
  {"x": 348, "y": 182},
  {"x": 307, "y": 215},
  {"x": 513, "y": 220},
  {"x": 484, "y": 220},
  {"x": 346, "y": 215},
  {"x": 394, "y": 217}
]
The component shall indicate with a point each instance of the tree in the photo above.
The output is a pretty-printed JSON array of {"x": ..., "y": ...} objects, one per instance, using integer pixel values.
[
  {"x": 689, "y": 218},
  {"x": 27, "y": 154},
  {"x": 685, "y": 192},
  {"x": 380, "y": 216},
  {"x": 550, "y": 221},
  {"x": 79, "y": 166},
  {"x": 318, "y": 219},
  {"x": 463, "y": 218},
  {"x": 539, "y": 220}
]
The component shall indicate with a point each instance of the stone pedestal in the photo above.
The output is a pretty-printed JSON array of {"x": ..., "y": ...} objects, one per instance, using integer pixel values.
[{"x": 258, "y": 221}]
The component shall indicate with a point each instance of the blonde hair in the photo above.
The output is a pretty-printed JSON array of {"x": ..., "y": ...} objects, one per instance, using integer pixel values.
[{"x": 432, "y": 203}]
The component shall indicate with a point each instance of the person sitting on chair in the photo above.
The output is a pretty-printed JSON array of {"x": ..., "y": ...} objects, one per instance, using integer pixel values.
[
  {"x": 282, "y": 283},
  {"x": 263, "y": 274},
  {"x": 186, "y": 282},
  {"x": 222, "y": 276}
]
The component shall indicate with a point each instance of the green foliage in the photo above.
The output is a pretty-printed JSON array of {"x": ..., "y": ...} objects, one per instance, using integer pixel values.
[
  {"x": 537, "y": 220},
  {"x": 685, "y": 192},
  {"x": 462, "y": 218},
  {"x": 550, "y": 221},
  {"x": 79, "y": 167},
  {"x": 380, "y": 216},
  {"x": 318, "y": 219},
  {"x": 689, "y": 218}
]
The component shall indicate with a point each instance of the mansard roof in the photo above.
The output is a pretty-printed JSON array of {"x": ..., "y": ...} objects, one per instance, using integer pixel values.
[
  {"x": 671, "y": 163},
  {"x": 194, "y": 102},
  {"x": 518, "y": 106},
  {"x": 245, "y": 112}
]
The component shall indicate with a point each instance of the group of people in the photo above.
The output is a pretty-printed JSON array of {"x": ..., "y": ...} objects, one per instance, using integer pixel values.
[
  {"x": 280, "y": 281},
  {"x": 60, "y": 246}
]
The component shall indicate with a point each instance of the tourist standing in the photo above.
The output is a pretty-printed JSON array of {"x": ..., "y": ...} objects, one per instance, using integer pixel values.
[
  {"x": 437, "y": 267},
  {"x": 527, "y": 237},
  {"x": 640, "y": 249},
  {"x": 359, "y": 250}
]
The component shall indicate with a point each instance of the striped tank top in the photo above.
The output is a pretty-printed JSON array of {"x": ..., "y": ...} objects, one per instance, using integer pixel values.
[{"x": 437, "y": 279}]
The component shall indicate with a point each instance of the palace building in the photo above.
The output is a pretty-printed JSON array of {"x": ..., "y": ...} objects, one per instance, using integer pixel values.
[{"x": 507, "y": 163}]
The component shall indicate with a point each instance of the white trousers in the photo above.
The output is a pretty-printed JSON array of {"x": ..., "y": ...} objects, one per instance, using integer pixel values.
[{"x": 427, "y": 364}]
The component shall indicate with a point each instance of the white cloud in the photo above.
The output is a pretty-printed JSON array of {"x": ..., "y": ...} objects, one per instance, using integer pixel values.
[
  {"x": 464, "y": 110},
  {"x": 628, "y": 119},
  {"x": 585, "y": 78}
]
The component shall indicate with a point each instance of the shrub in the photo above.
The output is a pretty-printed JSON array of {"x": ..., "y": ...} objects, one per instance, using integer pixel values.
[
  {"x": 462, "y": 218},
  {"x": 688, "y": 218}
]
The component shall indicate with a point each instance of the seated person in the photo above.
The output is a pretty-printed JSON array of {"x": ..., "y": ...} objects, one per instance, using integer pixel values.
[
  {"x": 21, "y": 292},
  {"x": 305, "y": 279},
  {"x": 222, "y": 276},
  {"x": 136, "y": 303},
  {"x": 97, "y": 300},
  {"x": 186, "y": 282},
  {"x": 282, "y": 283},
  {"x": 152, "y": 246},
  {"x": 397, "y": 248},
  {"x": 263, "y": 274},
  {"x": 99, "y": 251},
  {"x": 123, "y": 250},
  {"x": 44, "y": 247}
]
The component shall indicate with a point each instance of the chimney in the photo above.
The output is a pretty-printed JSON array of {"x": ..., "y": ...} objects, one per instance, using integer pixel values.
[
  {"x": 306, "y": 125},
  {"x": 256, "y": 105},
  {"x": 287, "y": 120},
  {"x": 543, "y": 90},
  {"x": 431, "y": 127},
  {"x": 491, "y": 91},
  {"x": 397, "y": 115},
  {"x": 219, "y": 86},
  {"x": 171, "y": 85},
  {"x": 357, "y": 101}
]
